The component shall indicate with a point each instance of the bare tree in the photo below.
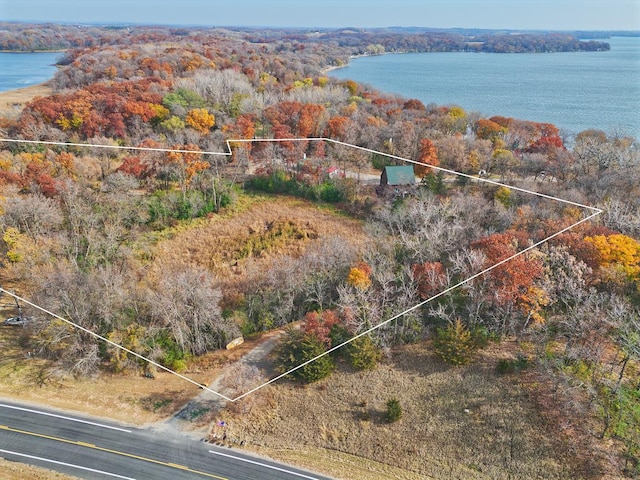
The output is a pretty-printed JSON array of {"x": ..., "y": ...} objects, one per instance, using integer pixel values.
[
  {"x": 186, "y": 301},
  {"x": 625, "y": 320},
  {"x": 100, "y": 301},
  {"x": 32, "y": 214}
]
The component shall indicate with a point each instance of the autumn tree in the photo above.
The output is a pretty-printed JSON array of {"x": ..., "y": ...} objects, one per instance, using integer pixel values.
[
  {"x": 359, "y": 276},
  {"x": 431, "y": 278},
  {"x": 617, "y": 254},
  {"x": 337, "y": 127},
  {"x": 243, "y": 128},
  {"x": 110, "y": 110},
  {"x": 319, "y": 325},
  {"x": 200, "y": 120},
  {"x": 511, "y": 284},
  {"x": 428, "y": 154},
  {"x": 188, "y": 162},
  {"x": 489, "y": 130}
]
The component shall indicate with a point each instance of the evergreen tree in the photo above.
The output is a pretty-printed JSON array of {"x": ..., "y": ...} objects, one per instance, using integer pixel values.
[
  {"x": 297, "y": 348},
  {"x": 455, "y": 344}
]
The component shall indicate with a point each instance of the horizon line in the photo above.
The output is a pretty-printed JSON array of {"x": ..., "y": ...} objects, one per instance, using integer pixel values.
[{"x": 107, "y": 23}]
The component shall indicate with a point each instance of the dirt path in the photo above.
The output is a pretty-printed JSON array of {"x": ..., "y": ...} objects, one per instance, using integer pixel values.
[{"x": 207, "y": 402}]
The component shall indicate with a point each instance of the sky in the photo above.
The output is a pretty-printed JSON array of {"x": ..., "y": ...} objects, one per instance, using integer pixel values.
[{"x": 490, "y": 14}]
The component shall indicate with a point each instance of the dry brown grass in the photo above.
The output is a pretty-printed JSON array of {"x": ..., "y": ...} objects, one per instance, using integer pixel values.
[
  {"x": 251, "y": 236},
  {"x": 338, "y": 464},
  {"x": 20, "y": 471},
  {"x": 12, "y": 101},
  {"x": 129, "y": 398},
  {"x": 462, "y": 423}
]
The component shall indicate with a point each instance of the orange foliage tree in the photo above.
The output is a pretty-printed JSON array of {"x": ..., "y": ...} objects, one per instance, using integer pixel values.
[
  {"x": 337, "y": 127},
  {"x": 428, "y": 154},
  {"x": 360, "y": 276},
  {"x": 200, "y": 119},
  {"x": 99, "y": 109},
  {"x": 430, "y": 277},
  {"x": 489, "y": 130},
  {"x": 319, "y": 325},
  {"x": 243, "y": 128},
  {"x": 189, "y": 163},
  {"x": 513, "y": 282}
]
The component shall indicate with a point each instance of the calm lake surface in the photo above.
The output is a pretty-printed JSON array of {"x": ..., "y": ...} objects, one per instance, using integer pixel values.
[
  {"x": 574, "y": 90},
  {"x": 18, "y": 70}
]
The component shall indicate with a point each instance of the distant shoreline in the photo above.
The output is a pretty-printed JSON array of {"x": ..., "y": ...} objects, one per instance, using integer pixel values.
[
  {"x": 351, "y": 57},
  {"x": 33, "y": 51}
]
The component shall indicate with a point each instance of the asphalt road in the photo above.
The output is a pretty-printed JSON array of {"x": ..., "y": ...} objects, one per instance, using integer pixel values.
[{"x": 96, "y": 449}]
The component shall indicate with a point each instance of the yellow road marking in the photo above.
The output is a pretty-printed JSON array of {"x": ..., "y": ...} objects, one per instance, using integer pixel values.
[{"x": 115, "y": 452}]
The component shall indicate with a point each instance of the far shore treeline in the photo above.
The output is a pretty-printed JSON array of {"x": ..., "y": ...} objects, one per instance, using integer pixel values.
[{"x": 54, "y": 37}]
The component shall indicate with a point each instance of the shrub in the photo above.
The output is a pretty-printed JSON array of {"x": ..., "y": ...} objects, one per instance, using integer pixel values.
[
  {"x": 164, "y": 207},
  {"x": 394, "y": 410},
  {"x": 512, "y": 365},
  {"x": 171, "y": 355},
  {"x": 297, "y": 348},
  {"x": 455, "y": 344},
  {"x": 363, "y": 353}
]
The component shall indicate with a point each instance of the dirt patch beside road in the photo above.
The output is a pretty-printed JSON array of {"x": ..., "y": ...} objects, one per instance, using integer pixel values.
[{"x": 20, "y": 471}]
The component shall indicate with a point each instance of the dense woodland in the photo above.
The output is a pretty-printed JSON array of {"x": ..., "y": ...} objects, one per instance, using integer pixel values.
[
  {"x": 18, "y": 37},
  {"x": 79, "y": 224}
]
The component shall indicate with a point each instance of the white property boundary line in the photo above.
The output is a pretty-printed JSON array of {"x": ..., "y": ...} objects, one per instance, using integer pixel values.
[{"x": 594, "y": 212}]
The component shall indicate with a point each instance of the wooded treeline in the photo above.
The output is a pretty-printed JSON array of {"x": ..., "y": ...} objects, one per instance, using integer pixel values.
[
  {"x": 80, "y": 224},
  {"x": 351, "y": 41}
]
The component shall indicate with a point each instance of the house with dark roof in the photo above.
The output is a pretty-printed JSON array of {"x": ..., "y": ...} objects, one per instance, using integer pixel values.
[{"x": 399, "y": 175}]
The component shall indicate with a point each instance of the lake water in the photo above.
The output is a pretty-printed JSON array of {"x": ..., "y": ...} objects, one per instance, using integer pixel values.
[
  {"x": 574, "y": 90},
  {"x": 18, "y": 70}
]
